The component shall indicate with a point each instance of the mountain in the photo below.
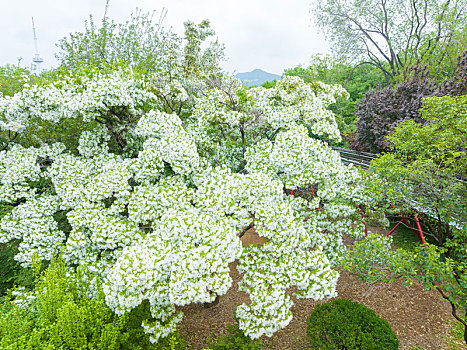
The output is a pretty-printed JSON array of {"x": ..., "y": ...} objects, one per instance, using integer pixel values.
[{"x": 256, "y": 77}]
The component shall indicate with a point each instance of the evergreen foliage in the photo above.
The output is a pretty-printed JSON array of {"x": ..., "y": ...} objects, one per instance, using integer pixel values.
[{"x": 343, "y": 324}]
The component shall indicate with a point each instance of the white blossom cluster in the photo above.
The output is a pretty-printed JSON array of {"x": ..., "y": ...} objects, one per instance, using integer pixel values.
[
  {"x": 308, "y": 102},
  {"x": 148, "y": 203},
  {"x": 268, "y": 272},
  {"x": 222, "y": 114},
  {"x": 93, "y": 143},
  {"x": 33, "y": 223},
  {"x": 98, "y": 236},
  {"x": 20, "y": 166},
  {"x": 223, "y": 193},
  {"x": 106, "y": 97},
  {"x": 167, "y": 137},
  {"x": 184, "y": 260},
  {"x": 161, "y": 223},
  {"x": 295, "y": 158},
  {"x": 298, "y": 161},
  {"x": 47, "y": 103}
]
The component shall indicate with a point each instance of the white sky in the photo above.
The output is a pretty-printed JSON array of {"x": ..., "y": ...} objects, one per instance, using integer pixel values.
[{"x": 269, "y": 34}]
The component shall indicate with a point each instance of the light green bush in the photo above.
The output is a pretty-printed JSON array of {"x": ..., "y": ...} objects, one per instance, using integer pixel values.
[{"x": 62, "y": 316}]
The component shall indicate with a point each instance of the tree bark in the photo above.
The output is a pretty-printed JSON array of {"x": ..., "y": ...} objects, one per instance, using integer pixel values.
[{"x": 214, "y": 303}]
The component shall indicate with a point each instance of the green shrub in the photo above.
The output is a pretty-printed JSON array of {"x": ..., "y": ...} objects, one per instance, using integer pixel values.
[
  {"x": 343, "y": 324},
  {"x": 15, "y": 325},
  {"x": 62, "y": 316},
  {"x": 11, "y": 272},
  {"x": 235, "y": 340}
]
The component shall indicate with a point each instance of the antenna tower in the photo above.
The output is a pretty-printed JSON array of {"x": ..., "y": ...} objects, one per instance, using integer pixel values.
[{"x": 36, "y": 67}]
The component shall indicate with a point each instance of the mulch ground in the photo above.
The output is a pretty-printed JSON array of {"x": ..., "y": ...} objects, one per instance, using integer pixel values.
[{"x": 421, "y": 319}]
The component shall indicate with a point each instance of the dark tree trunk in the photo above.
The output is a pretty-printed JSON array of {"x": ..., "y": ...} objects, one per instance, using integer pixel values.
[
  {"x": 465, "y": 328},
  {"x": 214, "y": 303}
]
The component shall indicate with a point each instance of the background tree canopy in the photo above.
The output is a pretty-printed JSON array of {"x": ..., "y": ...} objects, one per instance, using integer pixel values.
[
  {"x": 381, "y": 110},
  {"x": 392, "y": 34}
]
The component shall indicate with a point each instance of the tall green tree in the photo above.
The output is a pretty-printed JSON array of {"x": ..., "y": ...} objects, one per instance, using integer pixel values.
[
  {"x": 390, "y": 34},
  {"x": 141, "y": 43},
  {"x": 425, "y": 172},
  {"x": 427, "y": 163}
]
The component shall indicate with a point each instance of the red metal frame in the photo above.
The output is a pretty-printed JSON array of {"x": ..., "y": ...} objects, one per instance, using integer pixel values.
[
  {"x": 312, "y": 191},
  {"x": 292, "y": 192},
  {"x": 363, "y": 221},
  {"x": 418, "y": 232},
  {"x": 422, "y": 237}
]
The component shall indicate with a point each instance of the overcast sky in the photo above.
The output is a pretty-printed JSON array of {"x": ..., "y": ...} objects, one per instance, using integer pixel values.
[{"x": 267, "y": 34}]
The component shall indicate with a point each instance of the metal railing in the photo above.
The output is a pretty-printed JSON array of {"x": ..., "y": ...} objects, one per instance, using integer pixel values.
[
  {"x": 363, "y": 159},
  {"x": 350, "y": 156}
]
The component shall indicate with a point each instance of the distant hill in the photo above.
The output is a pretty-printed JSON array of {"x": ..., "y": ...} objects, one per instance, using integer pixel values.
[{"x": 256, "y": 77}]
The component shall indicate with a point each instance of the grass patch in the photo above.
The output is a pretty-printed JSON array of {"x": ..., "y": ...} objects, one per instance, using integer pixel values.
[
  {"x": 455, "y": 339},
  {"x": 403, "y": 237}
]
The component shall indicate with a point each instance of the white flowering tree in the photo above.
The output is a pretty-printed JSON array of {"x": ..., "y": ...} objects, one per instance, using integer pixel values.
[{"x": 156, "y": 206}]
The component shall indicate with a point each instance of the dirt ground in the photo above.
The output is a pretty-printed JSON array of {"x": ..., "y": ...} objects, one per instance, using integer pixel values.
[{"x": 421, "y": 319}]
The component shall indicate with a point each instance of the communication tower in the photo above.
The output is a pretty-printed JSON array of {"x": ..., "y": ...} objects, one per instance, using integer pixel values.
[{"x": 36, "y": 66}]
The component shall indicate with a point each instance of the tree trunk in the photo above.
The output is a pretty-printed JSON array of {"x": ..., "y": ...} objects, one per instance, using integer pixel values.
[
  {"x": 214, "y": 303},
  {"x": 465, "y": 328}
]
